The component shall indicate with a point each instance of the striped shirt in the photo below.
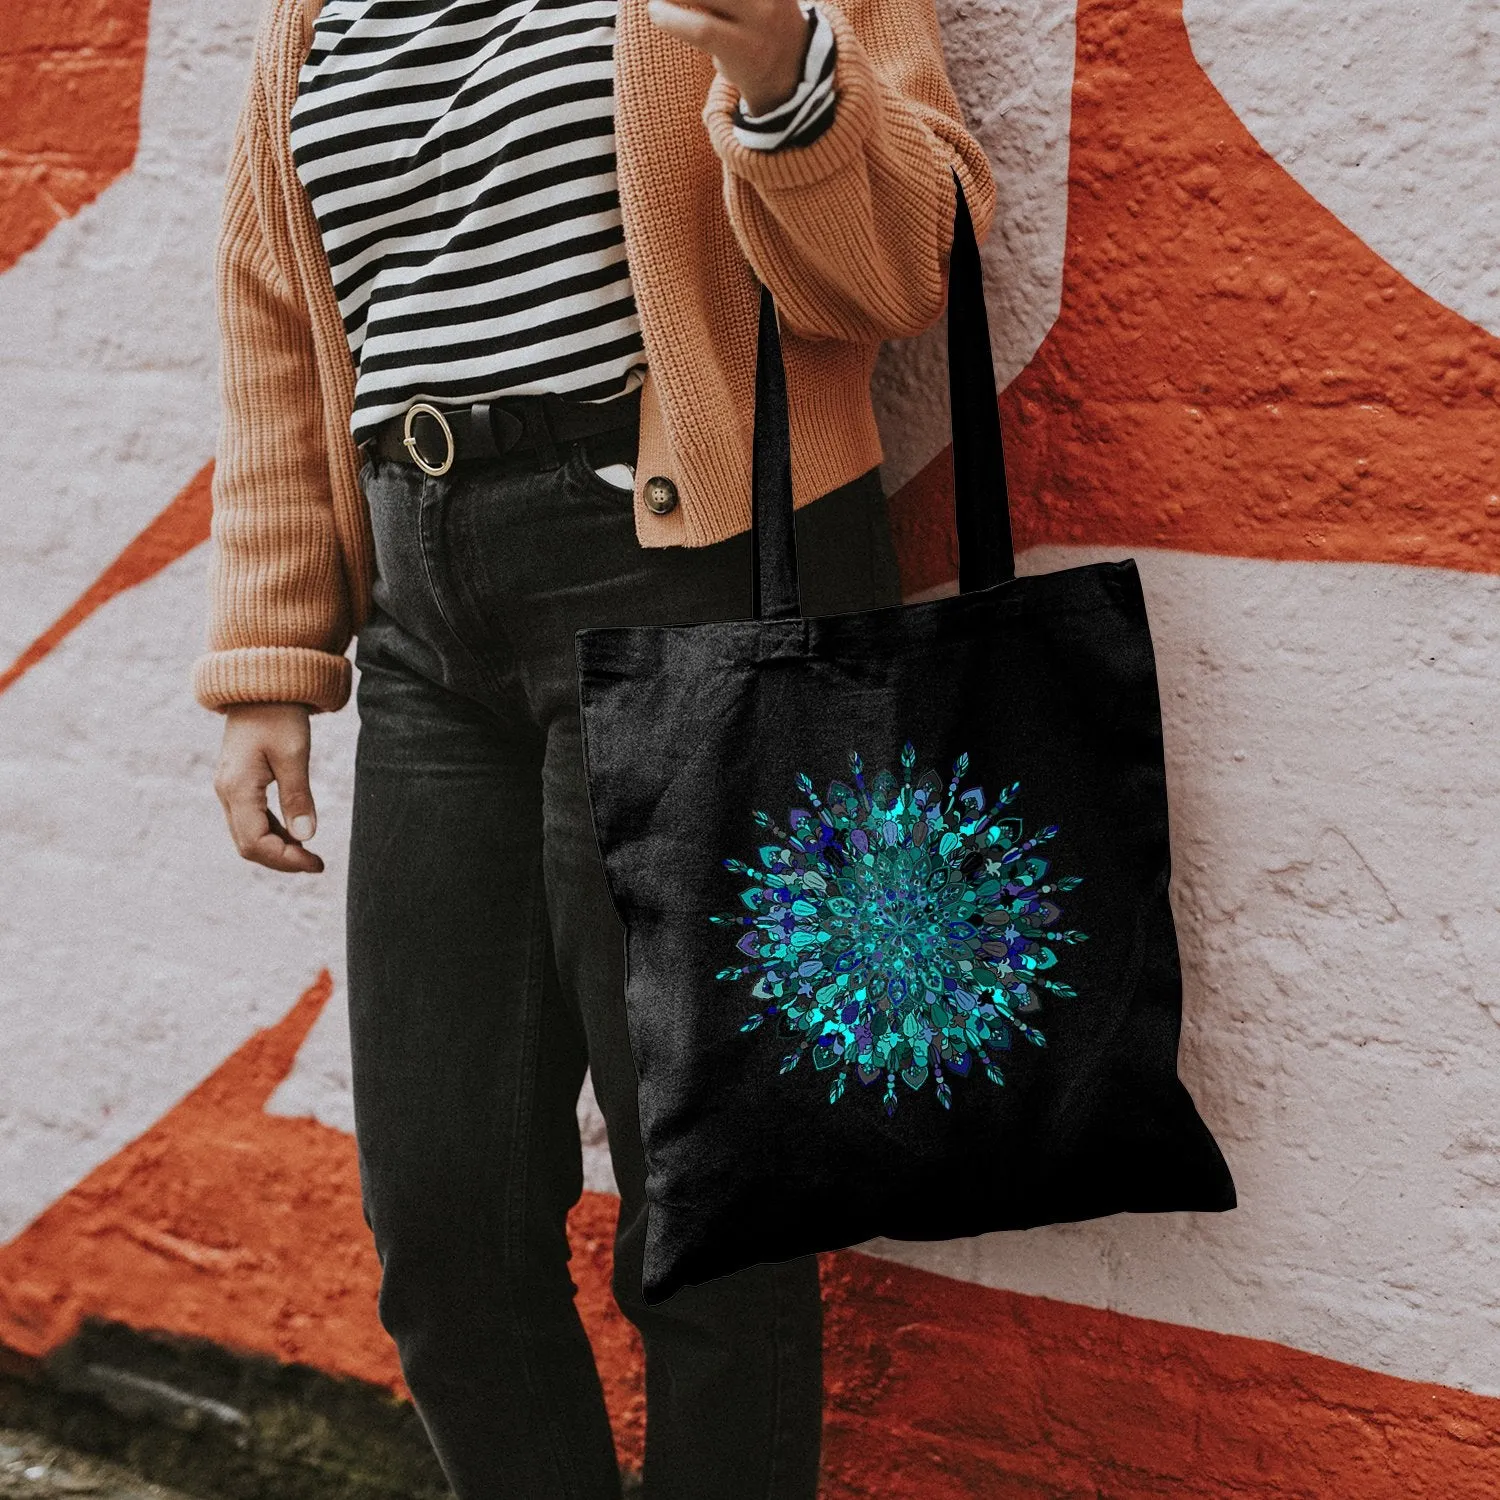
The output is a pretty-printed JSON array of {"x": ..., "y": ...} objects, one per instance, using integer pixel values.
[{"x": 459, "y": 158}]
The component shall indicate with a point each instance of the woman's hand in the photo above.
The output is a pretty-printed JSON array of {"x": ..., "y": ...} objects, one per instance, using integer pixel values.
[
  {"x": 758, "y": 45},
  {"x": 266, "y": 742}
]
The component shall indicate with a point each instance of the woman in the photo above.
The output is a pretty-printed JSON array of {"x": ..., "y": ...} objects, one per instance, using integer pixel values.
[{"x": 488, "y": 279}]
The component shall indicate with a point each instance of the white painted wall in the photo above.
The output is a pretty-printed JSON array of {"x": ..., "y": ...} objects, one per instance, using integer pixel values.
[{"x": 137, "y": 950}]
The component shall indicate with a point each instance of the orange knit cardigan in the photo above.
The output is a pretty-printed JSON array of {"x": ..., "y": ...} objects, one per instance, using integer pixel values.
[{"x": 851, "y": 234}]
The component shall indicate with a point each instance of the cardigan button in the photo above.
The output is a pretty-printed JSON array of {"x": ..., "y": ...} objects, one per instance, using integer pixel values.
[{"x": 661, "y": 495}]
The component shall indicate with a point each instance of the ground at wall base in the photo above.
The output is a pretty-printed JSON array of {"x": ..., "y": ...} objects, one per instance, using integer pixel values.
[
  {"x": 35, "y": 1467},
  {"x": 222, "y": 1424}
]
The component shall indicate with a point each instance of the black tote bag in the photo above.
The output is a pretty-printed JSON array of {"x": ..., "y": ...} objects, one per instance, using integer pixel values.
[{"x": 894, "y": 884}]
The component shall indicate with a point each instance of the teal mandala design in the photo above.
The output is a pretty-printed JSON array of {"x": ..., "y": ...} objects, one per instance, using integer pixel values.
[{"x": 900, "y": 929}]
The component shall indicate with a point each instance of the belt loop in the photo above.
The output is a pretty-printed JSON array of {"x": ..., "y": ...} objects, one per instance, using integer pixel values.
[
  {"x": 543, "y": 440},
  {"x": 482, "y": 430}
]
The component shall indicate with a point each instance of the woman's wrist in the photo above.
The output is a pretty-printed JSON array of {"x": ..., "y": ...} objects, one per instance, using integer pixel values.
[
  {"x": 775, "y": 91},
  {"x": 809, "y": 110}
]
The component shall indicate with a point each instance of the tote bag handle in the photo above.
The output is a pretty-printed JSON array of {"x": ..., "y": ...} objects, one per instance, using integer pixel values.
[{"x": 985, "y": 552}]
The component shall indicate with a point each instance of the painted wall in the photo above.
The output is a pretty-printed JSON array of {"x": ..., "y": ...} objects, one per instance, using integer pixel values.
[{"x": 1245, "y": 293}]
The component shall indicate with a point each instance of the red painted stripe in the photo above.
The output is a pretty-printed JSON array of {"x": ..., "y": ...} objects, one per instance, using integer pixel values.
[
  {"x": 183, "y": 525},
  {"x": 940, "y": 1388},
  {"x": 922, "y": 525}
]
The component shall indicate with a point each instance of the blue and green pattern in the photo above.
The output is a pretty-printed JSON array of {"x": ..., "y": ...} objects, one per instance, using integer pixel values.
[{"x": 900, "y": 929}]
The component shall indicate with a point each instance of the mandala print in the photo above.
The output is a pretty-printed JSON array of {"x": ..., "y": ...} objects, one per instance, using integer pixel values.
[{"x": 900, "y": 930}]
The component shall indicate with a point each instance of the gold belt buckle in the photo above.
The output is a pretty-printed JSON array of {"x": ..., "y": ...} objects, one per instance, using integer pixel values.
[{"x": 409, "y": 442}]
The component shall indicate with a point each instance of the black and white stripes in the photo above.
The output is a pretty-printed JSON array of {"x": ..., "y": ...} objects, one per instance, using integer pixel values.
[
  {"x": 459, "y": 156},
  {"x": 809, "y": 112}
]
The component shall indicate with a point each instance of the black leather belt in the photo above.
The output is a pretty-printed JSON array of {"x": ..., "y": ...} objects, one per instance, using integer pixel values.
[{"x": 520, "y": 428}]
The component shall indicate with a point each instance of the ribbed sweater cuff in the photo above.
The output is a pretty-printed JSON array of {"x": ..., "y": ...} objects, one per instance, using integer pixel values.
[
  {"x": 840, "y": 147},
  {"x": 273, "y": 674}
]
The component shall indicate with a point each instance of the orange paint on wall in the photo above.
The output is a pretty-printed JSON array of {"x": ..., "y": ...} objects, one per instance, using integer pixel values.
[
  {"x": 183, "y": 525},
  {"x": 70, "y": 103},
  {"x": 234, "y": 1225},
  {"x": 937, "y": 1388},
  {"x": 220, "y": 1221},
  {"x": 1233, "y": 370}
]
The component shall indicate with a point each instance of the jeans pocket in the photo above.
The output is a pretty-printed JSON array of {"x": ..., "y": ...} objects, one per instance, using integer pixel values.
[{"x": 581, "y": 471}]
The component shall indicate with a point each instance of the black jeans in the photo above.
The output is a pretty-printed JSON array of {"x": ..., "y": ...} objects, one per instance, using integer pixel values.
[{"x": 486, "y": 972}]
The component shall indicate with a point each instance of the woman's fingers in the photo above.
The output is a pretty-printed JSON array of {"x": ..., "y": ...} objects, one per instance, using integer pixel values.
[
  {"x": 265, "y": 743},
  {"x": 290, "y": 855},
  {"x": 703, "y": 29},
  {"x": 256, "y": 833},
  {"x": 299, "y": 818},
  {"x": 293, "y": 792},
  {"x": 758, "y": 45}
]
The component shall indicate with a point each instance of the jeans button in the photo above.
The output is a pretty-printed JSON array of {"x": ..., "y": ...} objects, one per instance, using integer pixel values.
[{"x": 661, "y": 495}]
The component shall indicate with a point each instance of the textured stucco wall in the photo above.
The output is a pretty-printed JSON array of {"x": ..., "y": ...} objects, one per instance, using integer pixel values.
[{"x": 1245, "y": 281}]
